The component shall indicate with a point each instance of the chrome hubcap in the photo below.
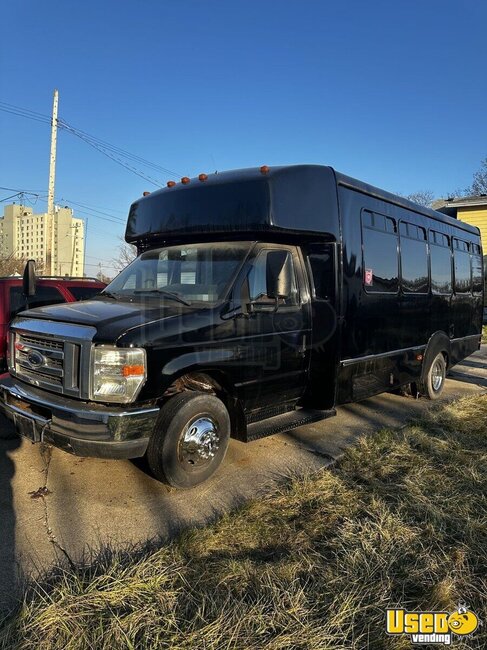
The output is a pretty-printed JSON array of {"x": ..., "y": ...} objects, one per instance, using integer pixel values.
[
  {"x": 199, "y": 442},
  {"x": 436, "y": 376}
]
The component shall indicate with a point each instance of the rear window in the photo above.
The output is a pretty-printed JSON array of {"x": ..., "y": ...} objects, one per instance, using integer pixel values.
[{"x": 84, "y": 293}]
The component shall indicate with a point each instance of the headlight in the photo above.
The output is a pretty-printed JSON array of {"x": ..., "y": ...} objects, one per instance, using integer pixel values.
[{"x": 117, "y": 374}]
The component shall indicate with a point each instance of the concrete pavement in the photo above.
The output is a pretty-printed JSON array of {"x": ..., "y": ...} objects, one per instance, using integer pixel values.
[{"x": 90, "y": 503}]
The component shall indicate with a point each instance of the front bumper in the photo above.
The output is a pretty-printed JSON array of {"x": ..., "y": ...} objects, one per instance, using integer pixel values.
[{"x": 80, "y": 428}]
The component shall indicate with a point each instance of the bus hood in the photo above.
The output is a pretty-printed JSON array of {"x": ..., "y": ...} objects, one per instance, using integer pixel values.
[{"x": 112, "y": 318}]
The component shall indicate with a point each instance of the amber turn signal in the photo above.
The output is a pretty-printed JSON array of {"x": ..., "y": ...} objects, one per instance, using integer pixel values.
[
  {"x": 202, "y": 177},
  {"x": 171, "y": 183},
  {"x": 185, "y": 180},
  {"x": 132, "y": 371},
  {"x": 264, "y": 169}
]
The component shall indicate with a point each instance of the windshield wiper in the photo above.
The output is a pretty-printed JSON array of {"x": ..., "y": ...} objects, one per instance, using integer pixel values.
[
  {"x": 169, "y": 294},
  {"x": 109, "y": 294}
]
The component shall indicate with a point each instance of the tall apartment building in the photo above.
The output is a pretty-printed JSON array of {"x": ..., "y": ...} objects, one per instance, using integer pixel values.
[{"x": 55, "y": 241}]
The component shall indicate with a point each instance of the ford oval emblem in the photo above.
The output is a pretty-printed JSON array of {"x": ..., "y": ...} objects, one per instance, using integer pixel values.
[{"x": 35, "y": 359}]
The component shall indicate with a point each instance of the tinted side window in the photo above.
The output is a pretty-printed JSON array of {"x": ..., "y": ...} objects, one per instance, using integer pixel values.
[
  {"x": 477, "y": 273},
  {"x": 440, "y": 258},
  {"x": 439, "y": 238},
  {"x": 462, "y": 271},
  {"x": 379, "y": 234},
  {"x": 322, "y": 272},
  {"x": 414, "y": 259},
  {"x": 44, "y": 296},
  {"x": 257, "y": 280}
]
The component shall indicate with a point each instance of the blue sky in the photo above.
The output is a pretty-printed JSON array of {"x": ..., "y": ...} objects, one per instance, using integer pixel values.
[{"x": 393, "y": 93}]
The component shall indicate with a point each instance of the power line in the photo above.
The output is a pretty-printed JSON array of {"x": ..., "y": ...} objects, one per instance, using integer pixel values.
[
  {"x": 84, "y": 205},
  {"x": 113, "y": 152},
  {"x": 119, "y": 150},
  {"x": 110, "y": 218},
  {"x": 12, "y": 197},
  {"x": 99, "y": 208},
  {"x": 112, "y": 156},
  {"x": 26, "y": 110},
  {"x": 16, "y": 189},
  {"x": 23, "y": 112}
]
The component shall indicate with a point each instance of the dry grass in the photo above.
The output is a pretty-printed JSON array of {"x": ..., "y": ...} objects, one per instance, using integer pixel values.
[{"x": 401, "y": 520}]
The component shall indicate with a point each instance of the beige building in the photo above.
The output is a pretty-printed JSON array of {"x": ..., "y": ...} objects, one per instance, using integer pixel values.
[{"x": 56, "y": 241}]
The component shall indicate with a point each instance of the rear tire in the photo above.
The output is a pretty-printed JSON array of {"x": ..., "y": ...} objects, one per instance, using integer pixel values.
[
  {"x": 434, "y": 383},
  {"x": 190, "y": 439}
]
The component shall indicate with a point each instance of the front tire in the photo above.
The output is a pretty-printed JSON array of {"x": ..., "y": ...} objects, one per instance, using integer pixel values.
[
  {"x": 434, "y": 383},
  {"x": 190, "y": 439}
]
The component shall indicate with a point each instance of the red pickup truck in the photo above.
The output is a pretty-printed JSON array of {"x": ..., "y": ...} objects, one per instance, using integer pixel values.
[{"x": 48, "y": 291}]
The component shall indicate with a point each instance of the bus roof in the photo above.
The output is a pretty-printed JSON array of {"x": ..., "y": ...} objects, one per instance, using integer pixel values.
[
  {"x": 365, "y": 188},
  {"x": 285, "y": 199}
]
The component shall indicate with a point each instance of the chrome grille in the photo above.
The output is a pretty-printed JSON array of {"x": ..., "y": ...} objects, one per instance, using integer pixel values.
[
  {"x": 61, "y": 353},
  {"x": 40, "y": 360},
  {"x": 42, "y": 342}
]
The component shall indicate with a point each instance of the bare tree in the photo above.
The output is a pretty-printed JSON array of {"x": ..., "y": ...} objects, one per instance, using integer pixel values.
[
  {"x": 126, "y": 254},
  {"x": 11, "y": 265},
  {"x": 421, "y": 197},
  {"x": 479, "y": 183}
]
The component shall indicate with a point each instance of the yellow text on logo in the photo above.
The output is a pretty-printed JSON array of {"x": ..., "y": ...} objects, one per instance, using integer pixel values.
[{"x": 399, "y": 621}]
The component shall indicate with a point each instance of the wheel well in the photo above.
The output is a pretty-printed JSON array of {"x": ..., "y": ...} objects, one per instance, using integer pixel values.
[
  {"x": 439, "y": 342},
  {"x": 215, "y": 384}
]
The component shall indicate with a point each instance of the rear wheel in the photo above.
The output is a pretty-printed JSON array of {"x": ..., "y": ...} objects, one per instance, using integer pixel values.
[
  {"x": 434, "y": 382},
  {"x": 190, "y": 439}
]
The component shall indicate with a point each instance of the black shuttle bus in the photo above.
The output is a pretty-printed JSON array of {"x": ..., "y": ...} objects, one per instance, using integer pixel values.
[{"x": 259, "y": 301}]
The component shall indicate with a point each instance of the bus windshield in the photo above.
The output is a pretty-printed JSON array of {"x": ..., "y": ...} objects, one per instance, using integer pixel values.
[{"x": 188, "y": 273}]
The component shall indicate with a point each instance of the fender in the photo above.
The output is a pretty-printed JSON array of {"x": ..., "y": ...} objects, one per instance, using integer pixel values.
[
  {"x": 202, "y": 361},
  {"x": 438, "y": 342},
  {"x": 194, "y": 360}
]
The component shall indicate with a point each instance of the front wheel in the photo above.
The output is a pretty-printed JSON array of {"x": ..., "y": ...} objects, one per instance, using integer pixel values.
[
  {"x": 190, "y": 439},
  {"x": 434, "y": 382}
]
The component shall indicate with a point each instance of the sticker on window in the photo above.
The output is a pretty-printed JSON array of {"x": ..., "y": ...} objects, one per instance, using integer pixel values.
[{"x": 368, "y": 277}]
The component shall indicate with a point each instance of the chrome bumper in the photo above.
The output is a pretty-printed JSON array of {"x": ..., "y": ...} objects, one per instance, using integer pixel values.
[{"x": 80, "y": 428}]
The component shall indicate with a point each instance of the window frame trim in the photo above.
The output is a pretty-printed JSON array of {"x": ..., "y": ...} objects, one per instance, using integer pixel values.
[
  {"x": 396, "y": 233},
  {"x": 426, "y": 242}
]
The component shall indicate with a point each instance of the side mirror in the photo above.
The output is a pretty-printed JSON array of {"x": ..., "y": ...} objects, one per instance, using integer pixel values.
[
  {"x": 29, "y": 279},
  {"x": 279, "y": 274}
]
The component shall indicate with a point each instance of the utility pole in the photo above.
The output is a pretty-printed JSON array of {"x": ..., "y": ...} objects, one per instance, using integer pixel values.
[
  {"x": 73, "y": 255},
  {"x": 52, "y": 179},
  {"x": 52, "y": 161}
]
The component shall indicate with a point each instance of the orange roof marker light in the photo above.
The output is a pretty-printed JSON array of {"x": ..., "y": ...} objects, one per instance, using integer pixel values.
[
  {"x": 264, "y": 169},
  {"x": 145, "y": 193},
  {"x": 185, "y": 180},
  {"x": 202, "y": 177},
  {"x": 171, "y": 183}
]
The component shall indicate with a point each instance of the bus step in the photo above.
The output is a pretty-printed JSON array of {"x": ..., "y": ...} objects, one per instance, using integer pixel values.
[{"x": 286, "y": 422}]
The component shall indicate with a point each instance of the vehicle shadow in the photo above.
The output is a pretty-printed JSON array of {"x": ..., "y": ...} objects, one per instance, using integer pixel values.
[
  {"x": 9, "y": 573},
  {"x": 472, "y": 370}
]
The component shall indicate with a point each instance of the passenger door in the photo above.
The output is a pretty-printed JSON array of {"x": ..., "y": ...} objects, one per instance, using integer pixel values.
[
  {"x": 273, "y": 334},
  {"x": 322, "y": 265}
]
